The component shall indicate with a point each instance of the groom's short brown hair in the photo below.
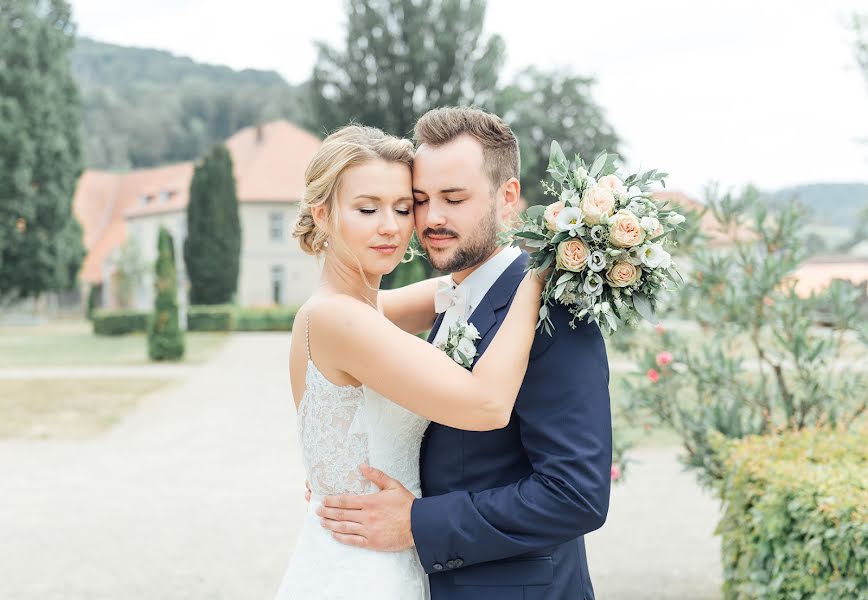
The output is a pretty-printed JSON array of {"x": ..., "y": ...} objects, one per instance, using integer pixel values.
[{"x": 499, "y": 144}]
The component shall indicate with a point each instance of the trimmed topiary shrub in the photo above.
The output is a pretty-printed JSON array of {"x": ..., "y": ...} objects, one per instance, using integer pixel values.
[
  {"x": 795, "y": 522},
  {"x": 119, "y": 322},
  {"x": 165, "y": 338}
]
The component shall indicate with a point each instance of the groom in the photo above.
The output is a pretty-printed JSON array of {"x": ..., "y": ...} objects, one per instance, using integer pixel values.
[{"x": 504, "y": 512}]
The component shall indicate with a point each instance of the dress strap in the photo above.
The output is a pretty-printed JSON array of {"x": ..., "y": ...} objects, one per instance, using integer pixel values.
[{"x": 307, "y": 335}]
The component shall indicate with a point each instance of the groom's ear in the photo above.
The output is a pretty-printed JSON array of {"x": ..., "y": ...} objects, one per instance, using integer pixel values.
[{"x": 511, "y": 198}]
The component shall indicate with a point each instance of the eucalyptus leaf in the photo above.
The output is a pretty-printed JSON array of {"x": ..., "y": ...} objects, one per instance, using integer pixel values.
[
  {"x": 643, "y": 307},
  {"x": 598, "y": 164},
  {"x": 535, "y": 211}
]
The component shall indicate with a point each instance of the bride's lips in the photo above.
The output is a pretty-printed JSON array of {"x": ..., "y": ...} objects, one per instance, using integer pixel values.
[{"x": 385, "y": 249}]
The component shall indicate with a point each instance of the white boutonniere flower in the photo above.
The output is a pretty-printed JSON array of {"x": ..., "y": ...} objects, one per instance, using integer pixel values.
[{"x": 460, "y": 344}]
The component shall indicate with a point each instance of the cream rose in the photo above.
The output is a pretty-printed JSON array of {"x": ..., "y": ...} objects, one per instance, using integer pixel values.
[
  {"x": 625, "y": 230},
  {"x": 623, "y": 274},
  {"x": 573, "y": 255},
  {"x": 613, "y": 183},
  {"x": 551, "y": 213},
  {"x": 596, "y": 202},
  {"x": 656, "y": 233}
]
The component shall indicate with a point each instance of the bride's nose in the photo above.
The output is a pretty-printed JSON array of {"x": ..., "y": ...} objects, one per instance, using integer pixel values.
[{"x": 388, "y": 224}]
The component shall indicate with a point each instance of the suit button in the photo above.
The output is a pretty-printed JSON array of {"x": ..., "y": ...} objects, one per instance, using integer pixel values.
[
  {"x": 438, "y": 567},
  {"x": 458, "y": 562},
  {"x": 450, "y": 564}
]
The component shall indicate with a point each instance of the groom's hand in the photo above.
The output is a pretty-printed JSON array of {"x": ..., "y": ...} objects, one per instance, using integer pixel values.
[{"x": 378, "y": 521}]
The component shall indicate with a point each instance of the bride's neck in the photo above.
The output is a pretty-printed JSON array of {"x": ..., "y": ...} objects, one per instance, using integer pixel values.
[{"x": 342, "y": 279}]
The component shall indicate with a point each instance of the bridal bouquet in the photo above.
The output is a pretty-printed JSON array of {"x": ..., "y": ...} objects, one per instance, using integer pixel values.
[{"x": 605, "y": 238}]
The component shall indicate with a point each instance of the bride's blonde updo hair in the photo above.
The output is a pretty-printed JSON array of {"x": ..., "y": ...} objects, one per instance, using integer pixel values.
[{"x": 347, "y": 147}]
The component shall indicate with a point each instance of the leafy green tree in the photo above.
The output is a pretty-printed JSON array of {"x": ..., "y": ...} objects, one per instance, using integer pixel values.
[
  {"x": 213, "y": 246},
  {"x": 40, "y": 150},
  {"x": 401, "y": 59},
  {"x": 542, "y": 106},
  {"x": 165, "y": 338}
]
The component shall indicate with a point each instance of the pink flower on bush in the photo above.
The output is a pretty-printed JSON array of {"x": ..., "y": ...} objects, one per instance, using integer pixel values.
[
  {"x": 653, "y": 375},
  {"x": 616, "y": 472},
  {"x": 664, "y": 358},
  {"x": 659, "y": 328}
]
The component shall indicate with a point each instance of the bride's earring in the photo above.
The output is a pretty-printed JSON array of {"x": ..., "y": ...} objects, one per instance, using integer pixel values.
[{"x": 325, "y": 244}]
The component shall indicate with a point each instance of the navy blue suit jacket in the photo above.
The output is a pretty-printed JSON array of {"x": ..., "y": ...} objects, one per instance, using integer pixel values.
[{"x": 504, "y": 512}]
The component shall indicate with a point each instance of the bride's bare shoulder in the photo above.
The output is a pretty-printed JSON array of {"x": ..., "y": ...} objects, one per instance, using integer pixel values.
[{"x": 336, "y": 311}]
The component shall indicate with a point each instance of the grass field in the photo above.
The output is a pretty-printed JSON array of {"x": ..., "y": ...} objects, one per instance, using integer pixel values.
[
  {"x": 72, "y": 343},
  {"x": 68, "y": 409}
]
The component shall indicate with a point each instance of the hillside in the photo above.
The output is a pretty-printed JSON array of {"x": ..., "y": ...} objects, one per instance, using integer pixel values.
[{"x": 143, "y": 107}]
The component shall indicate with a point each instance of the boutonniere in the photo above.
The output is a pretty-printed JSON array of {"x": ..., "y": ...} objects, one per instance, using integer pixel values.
[{"x": 459, "y": 344}]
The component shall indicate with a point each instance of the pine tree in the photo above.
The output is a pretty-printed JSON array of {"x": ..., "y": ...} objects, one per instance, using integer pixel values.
[
  {"x": 40, "y": 149},
  {"x": 213, "y": 245},
  {"x": 165, "y": 338}
]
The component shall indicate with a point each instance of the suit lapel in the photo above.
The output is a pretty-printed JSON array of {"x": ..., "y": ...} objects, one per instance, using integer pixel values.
[
  {"x": 435, "y": 328},
  {"x": 491, "y": 308}
]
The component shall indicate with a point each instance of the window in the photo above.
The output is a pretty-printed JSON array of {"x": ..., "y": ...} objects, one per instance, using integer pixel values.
[
  {"x": 275, "y": 226},
  {"x": 277, "y": 284}
]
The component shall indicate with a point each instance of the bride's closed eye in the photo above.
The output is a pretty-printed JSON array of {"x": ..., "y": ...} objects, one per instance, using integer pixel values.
[{"x": 401, "y": 211}]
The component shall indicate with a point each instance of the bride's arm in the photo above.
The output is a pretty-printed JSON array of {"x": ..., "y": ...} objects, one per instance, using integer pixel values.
[
  {"x": 410, "y": 372},
  {"x": 411, "y": 307}
]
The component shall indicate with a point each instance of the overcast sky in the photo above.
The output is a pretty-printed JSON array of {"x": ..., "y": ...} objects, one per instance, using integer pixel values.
[{"x": 731, "y": 91}]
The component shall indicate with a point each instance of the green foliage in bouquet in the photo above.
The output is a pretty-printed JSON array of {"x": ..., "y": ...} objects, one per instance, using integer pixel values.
[
  {"x": 795, "y": 522},
  {"x": 604, "y": 242},
  {"x": 763, "y": 359},
  {"x": 165, "y": 338}
]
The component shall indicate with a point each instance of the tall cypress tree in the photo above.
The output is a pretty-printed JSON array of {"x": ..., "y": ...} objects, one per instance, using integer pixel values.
[
  {"x": 40, "y": 149},
  {"x": 165, "y": 338},
  {"x": 213, "y": 245}
]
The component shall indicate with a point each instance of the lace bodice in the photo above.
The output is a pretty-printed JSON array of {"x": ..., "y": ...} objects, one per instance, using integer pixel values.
[{"x": 341, "y": 427}]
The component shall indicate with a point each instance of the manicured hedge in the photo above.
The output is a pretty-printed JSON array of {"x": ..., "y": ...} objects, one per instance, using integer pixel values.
[
  {"x": 795, "y": 521},
  {"x": 265, "y": 319},
  {"x": 217, "y": 317},
  {"x": 118, "y": 322}
]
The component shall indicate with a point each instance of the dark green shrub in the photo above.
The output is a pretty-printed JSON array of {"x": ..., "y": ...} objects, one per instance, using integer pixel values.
[
  {"x": 795, "y": 522},
  {"x": 265, "y": 319},
  {"x": 165, "y": 338},
  {"x": 119, "y": 322},
  {"x": 217, "y": 317}
]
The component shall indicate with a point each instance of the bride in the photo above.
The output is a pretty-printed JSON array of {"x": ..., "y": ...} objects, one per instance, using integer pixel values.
[{"x": 365, "y": 386}]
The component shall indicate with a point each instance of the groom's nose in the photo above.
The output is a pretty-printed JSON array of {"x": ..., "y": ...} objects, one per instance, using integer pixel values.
[{"x": 435, "y": 217}]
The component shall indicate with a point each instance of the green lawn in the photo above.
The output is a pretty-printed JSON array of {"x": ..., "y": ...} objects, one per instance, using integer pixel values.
[
  {"x": 72, "y": 343},
  {"x": 68, "y": 409}
]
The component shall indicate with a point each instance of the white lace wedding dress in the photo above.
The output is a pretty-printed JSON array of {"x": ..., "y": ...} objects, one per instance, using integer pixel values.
[{"x": 341, "y": 427}]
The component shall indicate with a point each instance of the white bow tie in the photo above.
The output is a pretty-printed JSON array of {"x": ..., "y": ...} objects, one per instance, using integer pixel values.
[{"x": 448, "y": 295}]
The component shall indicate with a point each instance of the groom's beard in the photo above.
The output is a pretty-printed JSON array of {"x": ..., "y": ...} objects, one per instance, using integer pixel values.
[{"x": 477, "y": 248}]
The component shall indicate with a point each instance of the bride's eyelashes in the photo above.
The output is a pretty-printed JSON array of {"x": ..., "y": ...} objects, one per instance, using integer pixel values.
[{"x": 401, "y": 211}]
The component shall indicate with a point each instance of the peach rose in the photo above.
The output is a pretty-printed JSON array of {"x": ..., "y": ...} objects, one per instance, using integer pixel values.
[
  {"x": 573, "y": 255},
  {"x": 596, "y": 202},
  {"x": 551, "y": 214},
  {"x": 623, "y": 274},
  {"x": 613, "y": 183},
  {"x": 625, "y": 230}
]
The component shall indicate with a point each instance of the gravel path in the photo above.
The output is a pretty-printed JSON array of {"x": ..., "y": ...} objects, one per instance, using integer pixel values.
[{"x": 198, "y": 495}]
